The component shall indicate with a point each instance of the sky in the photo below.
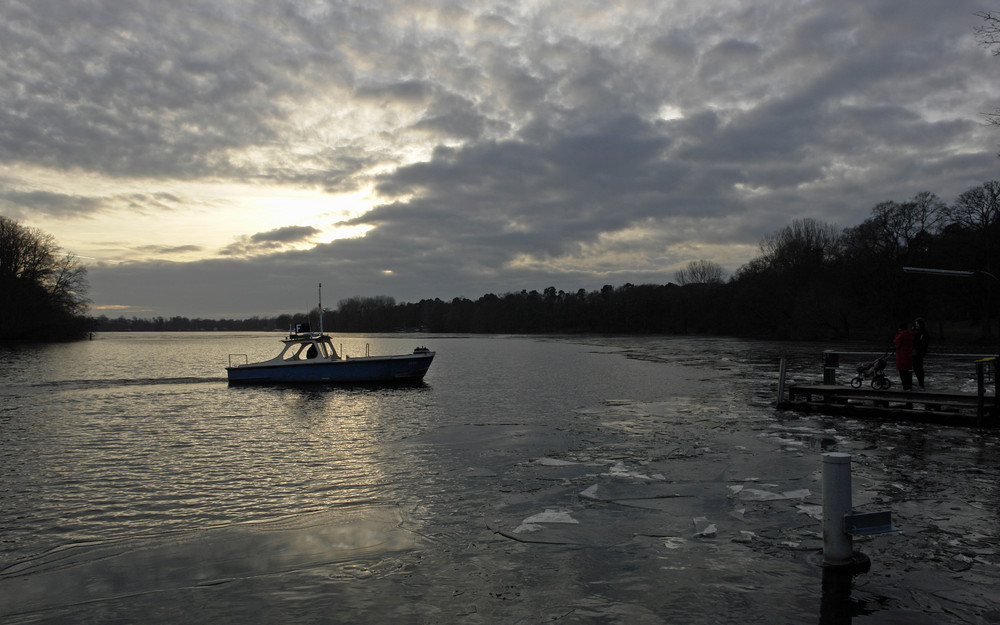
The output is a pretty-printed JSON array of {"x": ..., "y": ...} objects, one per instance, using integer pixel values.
[{"x": 219, "y": 159}]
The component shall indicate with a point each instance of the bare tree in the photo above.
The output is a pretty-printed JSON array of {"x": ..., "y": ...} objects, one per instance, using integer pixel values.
[
  {"x": 806, "y": 242},
  {"x": 930, "y": 212},
  {"x": 899, "y": 225},
  {"x": 38, "y": 285},
  {"x": 988, "y": 36},
  {"x": 700, "y": 272},
  {"x": 978, "y": 209}
]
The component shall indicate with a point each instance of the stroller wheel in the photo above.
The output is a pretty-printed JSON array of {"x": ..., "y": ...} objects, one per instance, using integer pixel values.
[{"x": 856, "y": 382}]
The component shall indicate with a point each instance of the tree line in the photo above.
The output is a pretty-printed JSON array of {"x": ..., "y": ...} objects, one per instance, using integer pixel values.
[{"x": 809, "y": 280}]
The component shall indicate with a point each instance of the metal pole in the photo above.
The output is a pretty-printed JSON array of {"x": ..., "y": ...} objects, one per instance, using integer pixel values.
[
  {"x": 320, "y": 294},
  {"x": 838, "y": 545}
]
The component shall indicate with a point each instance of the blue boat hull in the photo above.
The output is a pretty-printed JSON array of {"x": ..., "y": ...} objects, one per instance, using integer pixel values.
[{"x": 367, "y": 370}]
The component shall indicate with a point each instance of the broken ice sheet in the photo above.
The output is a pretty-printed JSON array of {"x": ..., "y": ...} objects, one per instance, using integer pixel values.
[
  {"x": 812, "y": 510},
  {"x": 757, "y": 494},
  {"x": 551, "y": 516},
  {"x": 704, "y": 527},
  {"x": 553, "y": 462},
  {"x": 531, "y": 524},
  {"x": 619, "y": 471}
]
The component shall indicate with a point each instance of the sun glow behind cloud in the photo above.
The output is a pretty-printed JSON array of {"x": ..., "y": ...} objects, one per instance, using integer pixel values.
[{"x": 181, "y": 223}]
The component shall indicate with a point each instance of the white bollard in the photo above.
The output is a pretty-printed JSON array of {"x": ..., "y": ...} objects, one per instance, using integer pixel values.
[{"x": 838, "y": 545}]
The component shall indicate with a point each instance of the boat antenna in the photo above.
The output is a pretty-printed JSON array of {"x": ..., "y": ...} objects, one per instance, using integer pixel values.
[{"x": 321, "y": 308}]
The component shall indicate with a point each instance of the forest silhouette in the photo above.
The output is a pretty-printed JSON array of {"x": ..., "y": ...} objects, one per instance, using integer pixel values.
[{"x": 809, "y": 281}]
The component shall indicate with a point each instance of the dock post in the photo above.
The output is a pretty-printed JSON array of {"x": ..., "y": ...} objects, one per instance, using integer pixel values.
[
  {"x": 781, "y": 380},
  {"x": 980, "y": 393},
  {"x": 838, "y": 546},
  {"x": 831, "y": 360}
]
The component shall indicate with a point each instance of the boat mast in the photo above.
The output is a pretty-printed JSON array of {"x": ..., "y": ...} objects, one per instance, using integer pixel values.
[{"x": 321, "y": 308}]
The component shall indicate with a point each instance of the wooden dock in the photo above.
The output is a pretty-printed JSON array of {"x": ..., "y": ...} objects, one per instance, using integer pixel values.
[
  {"x": 979, "y": 409},
  {"x": 933, "y": 407}
]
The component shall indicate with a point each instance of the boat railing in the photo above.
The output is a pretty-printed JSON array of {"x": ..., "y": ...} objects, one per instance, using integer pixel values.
[
  {"x": 368, "y": 351},
  {"x": 232, "y": 357}
]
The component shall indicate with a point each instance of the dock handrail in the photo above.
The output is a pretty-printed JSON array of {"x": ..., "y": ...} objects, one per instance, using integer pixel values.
[
  {"x": 831, "y": 360},
  {"x": 935, "y": 354}
]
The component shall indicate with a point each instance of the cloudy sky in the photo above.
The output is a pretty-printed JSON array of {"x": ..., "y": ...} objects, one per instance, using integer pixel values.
[{"x": 215, "y": 158}]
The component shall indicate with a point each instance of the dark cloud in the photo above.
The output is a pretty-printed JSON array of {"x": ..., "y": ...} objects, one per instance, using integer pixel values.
[
  {"x": 407, "y": 91},
  {"x": 287, "y": 234},
  {"x": 20, "y": 204},
  {"x": 270, "y": 242},
  {"x": 167, "y": 250}
]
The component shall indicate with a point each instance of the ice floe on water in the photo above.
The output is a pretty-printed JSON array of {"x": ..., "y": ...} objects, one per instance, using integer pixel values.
[
  {"x": 813, "y": 510},
  {"x": 619, "y": 470},
  {"x": 554, "y": 462},
  {"x": 756, "y": 494},
  {"x": 704, "y": 527},
  {"x": 674, "y": 542},
  {"x": 533, "y": 523}
]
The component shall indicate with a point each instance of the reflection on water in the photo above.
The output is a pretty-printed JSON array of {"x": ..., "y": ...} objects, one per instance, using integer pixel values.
[
  {"x": 67, "y": 579},
  {"x": 596, "y": 479}
]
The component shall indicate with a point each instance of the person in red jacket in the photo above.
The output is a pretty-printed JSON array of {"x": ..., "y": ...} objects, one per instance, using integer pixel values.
[{"x": 904, "y": 356}]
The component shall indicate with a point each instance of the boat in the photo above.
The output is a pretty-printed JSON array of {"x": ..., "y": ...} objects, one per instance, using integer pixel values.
[{"x": 310, "y": 357}]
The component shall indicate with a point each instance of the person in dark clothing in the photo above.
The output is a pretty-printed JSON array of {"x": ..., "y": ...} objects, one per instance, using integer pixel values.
[
  {"x": 921, "y": 340},
  {"x": 904, "y": 355}
]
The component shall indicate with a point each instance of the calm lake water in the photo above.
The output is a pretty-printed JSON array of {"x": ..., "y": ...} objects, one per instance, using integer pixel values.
[{"x": 583, "y": 480}]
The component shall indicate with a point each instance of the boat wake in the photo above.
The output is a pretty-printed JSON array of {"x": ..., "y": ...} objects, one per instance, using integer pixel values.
[{"x": 113, "y": 383}]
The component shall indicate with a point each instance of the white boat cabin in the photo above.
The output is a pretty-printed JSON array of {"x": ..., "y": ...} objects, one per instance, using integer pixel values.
[{"x": 306, "y": 347}]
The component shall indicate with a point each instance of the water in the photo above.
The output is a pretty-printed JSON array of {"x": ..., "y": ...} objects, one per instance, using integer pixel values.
[{"x": 588, "y": 480}]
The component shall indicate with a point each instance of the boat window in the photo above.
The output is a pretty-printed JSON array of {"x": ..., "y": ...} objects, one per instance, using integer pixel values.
[
  {"x": 293, "y": 351},
  {"x": 311, "y": 352}
]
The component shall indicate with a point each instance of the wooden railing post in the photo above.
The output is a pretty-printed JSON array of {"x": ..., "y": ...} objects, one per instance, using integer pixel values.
[
  {"x": 996, "y": 391},
  {"x": 980, "y": 393},
  {"x": 831, "y": 360}
]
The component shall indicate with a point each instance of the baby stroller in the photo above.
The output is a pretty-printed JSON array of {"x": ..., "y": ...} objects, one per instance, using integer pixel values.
[{"x": 876, "y": 371}]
